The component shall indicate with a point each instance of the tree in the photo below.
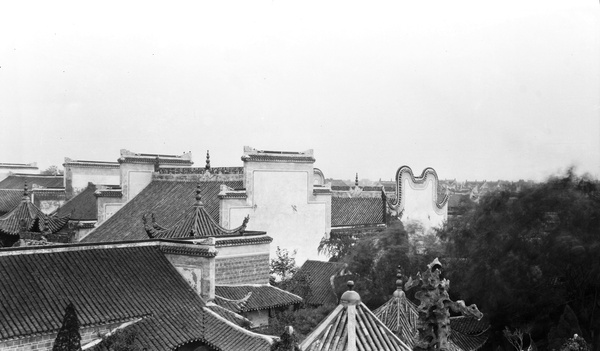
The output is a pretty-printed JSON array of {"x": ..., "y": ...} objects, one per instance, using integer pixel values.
[
  {"x": 68, "y": 338},
  {"x": 373, "y": 259},
  {"x": 568, "y": 325},
  {"x": 119, "y": 340},
  {"x": 52, "y": 170},
  {"x": 287, "y": 342},
  {"x": 283, "y": 266},
  {"x": 522, "y": 256}
]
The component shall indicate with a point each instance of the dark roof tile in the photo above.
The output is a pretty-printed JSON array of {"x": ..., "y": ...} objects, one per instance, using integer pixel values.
[
  {"x": 9, "y": 199},
  {"x": 168, "y": 200},
  {"x": 346, "y": 211},
  {"x": 17, "y": 181},
  {"x": 319, "y": 276},
  {"x": 256, "y": 296},
  {"x": 82, "y": 207},
  {"x": 116, "y": 284}
]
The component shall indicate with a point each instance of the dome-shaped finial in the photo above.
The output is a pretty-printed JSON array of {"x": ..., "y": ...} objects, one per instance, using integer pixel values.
[
  {"x": 350, "y": 297},
  {"x": 399, "y": 290},
  {"x": 26, "y": 192},
  {"x": 356, "y": 180},
  {"x": 207, "y": 167},
  {"x": 198, "y": 196}
]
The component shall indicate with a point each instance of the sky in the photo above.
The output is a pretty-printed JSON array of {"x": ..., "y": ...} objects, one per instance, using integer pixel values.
[{"x": 475, "y": 89}]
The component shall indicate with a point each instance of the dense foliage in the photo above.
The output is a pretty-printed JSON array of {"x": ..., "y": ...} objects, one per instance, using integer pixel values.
[
  {"x": 523, "y": 256},
  {"x": 373, "y": 259},
  {"x": 120, "y": 340}
]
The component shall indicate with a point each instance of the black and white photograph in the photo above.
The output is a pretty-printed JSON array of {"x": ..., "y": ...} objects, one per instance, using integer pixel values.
[{"x": 282, "y": 175}]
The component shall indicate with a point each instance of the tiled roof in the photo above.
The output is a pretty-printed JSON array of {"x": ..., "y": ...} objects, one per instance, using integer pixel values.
[
  {"x": 82, "y": 207},
  {"x": 17, "y": 181},
  {"x": 168, "y": 200},
  {"x": 251, "y": 154},
  {"x": 227, "y": 314},
  {"x": 468, "y": 333},
  {"x": 356, "y": 211},
  {"x": 9, "y": 199},
  {"x": 115, "y": 284},
  {"x": 352, "y": 318},
  {"x": 228, "y": 336},
  {"x": 262, "y": 297},
  {"x": 90, "y": 164},
  {"x": 132, "y": 157},
  {"x": 195, "y": 223},
  {"x": 400, "y": 315},
  {"x": 19, "y": 165},
  {"x": 319, "y": 276},
  {"x": 26, "y": 216}
]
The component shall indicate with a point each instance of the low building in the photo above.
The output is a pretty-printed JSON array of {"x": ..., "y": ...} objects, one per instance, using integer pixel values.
[
  {"x": 138, "y": 287},
  {"x": 26, "y": 223},
  {"x": 7, "y": 169},
  {"x": 47, "y": 191},
  {"x": 79, "y": 173},
  {"x": 256, "y": 302}
]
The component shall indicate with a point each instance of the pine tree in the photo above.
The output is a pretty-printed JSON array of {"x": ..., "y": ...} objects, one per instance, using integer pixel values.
[
  {"x": 68, "y": 338},
  {"x": 568, "y": 325}
]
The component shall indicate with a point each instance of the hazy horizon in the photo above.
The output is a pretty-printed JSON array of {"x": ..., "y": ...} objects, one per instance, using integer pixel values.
[{"x": 475, "y": 90}]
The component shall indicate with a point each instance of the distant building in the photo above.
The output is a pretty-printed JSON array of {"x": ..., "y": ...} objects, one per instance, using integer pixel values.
[
  {"x": 416, "y": 198},
  {"x": 7, "y": 169},
  {"x": 26, "y": 224},
  {"x": 79, "y": 173},
  {"x": 47, "y": 191}
]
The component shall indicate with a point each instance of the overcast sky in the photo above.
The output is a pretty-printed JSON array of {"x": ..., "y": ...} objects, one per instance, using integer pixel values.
[{"x": 475, "y": 89}]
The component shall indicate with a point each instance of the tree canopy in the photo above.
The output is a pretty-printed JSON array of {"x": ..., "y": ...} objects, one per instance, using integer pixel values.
[{"x": 523, "y": 256}]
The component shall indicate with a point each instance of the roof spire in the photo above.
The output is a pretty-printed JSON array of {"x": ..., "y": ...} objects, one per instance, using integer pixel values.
[
  {"x": 198, "y": 196},
  {"x": 156, "y": 164},
  {"x": 26, "y": 197},
  {"x": 207, "y": 167},
  {"x": 356, "y": 180},
  {"x": 399, "y": 289}
]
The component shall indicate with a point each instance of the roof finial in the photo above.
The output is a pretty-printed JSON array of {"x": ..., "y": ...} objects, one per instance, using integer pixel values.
[
  {"x": 26, "y": 197},
  {"x": 399, "y": 282},
  {"x": 198, "y": 196},
  {"x": 350, "y": 285},
  {"x": 156, "y": 164},
  {"x": 356, "y": 180},
  {"x": 207, "y": 161}
]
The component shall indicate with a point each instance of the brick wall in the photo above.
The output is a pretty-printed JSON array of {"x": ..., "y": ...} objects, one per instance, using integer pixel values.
[
  {"x": 45, "y": 342},
  {"x": 252, "y": 269}
]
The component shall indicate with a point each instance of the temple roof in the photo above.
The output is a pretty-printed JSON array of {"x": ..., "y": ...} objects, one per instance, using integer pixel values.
[
  {"x": 9, "y": 199},
  {"x": 195, "y": 223},
  {"x": 170, "y": 201},
  {"x": 253, "y": 297},
  {"x": 117, "y": 283},
  {"x": 352, "y": 320},
  {"x": 320, "y": 281},
  {"x": 349, "y": 211},
  {"x": 82, "y": 207},
  {"x": 28, "y": 217},
  {"x": 17, "y": 181}
]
